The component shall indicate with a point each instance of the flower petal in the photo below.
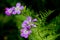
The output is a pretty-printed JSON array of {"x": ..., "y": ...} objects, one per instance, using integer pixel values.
[
  {"x": 34, "y": 20},
  {"x": 33, "y": 25},
  {"x": 18, "y": 12},
  {"x": 14, "y": 12},
  {"x": 25, "y": 33},
  {"x": 18, "y": 5},
  {"x": 29, "y": 18},
  {"x": 21, "y": 7},
  {"x": 7, "y": 13}
]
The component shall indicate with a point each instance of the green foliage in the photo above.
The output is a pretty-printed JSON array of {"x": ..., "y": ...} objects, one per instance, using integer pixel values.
[
  {"x": 42, "y": 31},
  {"x": 45, "y": 14},
  {"x": 19, "y": 19},
  {"x": 45, "y": 32},
  {"x": 38, "y": 33}
]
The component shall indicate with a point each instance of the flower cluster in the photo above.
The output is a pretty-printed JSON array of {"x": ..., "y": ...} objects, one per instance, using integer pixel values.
[
  {"x": 14, "y": 10},
  {"x": 26, "y": 26},
  {"x": 25, "y": 32}
]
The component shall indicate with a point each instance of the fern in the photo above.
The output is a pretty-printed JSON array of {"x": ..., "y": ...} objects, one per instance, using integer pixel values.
[
  {"x": 47, "y": 32},
  {"x": 45, "y": 14}
]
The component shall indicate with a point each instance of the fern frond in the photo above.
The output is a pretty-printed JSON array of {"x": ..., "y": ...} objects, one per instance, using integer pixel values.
[{"x": 45, "y": 14}]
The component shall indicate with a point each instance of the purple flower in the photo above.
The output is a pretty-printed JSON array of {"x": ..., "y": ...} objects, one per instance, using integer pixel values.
[
  {"x": 17, "y": 9},
  {"x": 14, "y": 10},
  {"x": 25, "y": 24},
  {"x": 25, "y": 33},
  {"x": 8, "y": 11},
  {"x": 28, "y": 23}
]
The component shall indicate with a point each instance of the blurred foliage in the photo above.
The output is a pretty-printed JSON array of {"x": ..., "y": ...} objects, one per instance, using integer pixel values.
[
  {"x": 46, "y": 31},
  {"x": 41, "y": 9}
]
